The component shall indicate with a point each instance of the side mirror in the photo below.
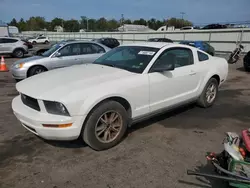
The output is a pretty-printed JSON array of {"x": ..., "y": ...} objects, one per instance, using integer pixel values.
[{"x": 164, "y": 68}]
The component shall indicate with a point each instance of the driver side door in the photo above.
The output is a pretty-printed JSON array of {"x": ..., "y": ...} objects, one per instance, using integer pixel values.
[{"x": 168, "y": 88}]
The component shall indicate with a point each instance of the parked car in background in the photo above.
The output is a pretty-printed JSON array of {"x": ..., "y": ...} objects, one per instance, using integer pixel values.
[
  {"x": 159, "y": 40},
  {"x": 39, "y": 40},
  {"x": 13, "y": 46},
  {"x": 215, "y": 26},
  {"x": 58, "y": 56},
  {"x": 246, "y": 61},
  {"x": 201, "y": 45},
  {"x": 109, "y": 42},
  {"x": 43, "y": 49},
  {"x": 130, "y": 83},
  {"x": 187, "y": 28}
]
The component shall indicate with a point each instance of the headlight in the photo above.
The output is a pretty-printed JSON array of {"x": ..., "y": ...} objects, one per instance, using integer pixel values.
[
  {"x": 56, "y": 108},
  {"x": 18, "y": 66}
]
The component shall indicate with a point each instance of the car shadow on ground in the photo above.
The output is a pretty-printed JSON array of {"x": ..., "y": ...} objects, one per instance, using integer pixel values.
[
  {"x": 242, "y": 69},
  {"x": 74, "y": 144}
]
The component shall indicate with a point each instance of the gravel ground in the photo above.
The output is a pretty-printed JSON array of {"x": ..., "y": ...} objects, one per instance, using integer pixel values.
[{"x": 155, "y": 153}]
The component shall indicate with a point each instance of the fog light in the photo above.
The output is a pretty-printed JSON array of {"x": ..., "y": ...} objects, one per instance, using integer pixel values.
[{"x": 58, "y": 125}]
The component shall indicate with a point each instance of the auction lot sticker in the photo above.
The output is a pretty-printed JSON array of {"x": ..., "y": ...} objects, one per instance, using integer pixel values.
[{"x": 146, "y": 53}]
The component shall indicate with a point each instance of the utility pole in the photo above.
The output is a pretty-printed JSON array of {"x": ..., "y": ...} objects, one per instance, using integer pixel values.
[
  {"x": 87, "y": 24},
  {"x": 182, "y": 16},
  {"x": 122, "y": 22}
]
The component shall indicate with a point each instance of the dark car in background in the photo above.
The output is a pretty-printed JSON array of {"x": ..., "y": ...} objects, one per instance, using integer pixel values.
[
  {"x": 246, "y": 61},
  {"x": 43, "y": 49},
  {"x": 160, "y": 40},
  {"x": 108, "y": 41},
  {"x": 201, "y": 45},
  {"x": 215, "y": 26}
]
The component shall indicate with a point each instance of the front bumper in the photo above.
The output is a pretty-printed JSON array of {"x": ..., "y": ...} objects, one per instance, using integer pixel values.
[
  {"x": 32, "y": 120},
  {"x": 19, "y": 73}
]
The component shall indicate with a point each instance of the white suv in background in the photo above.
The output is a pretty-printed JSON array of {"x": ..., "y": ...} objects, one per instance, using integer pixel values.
[
  {"x": 40, "y": 39},
  {"x": 13, "y": 46}
]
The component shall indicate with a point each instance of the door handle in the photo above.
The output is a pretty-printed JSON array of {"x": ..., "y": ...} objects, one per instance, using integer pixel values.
[{"x": 192, "y": 73}]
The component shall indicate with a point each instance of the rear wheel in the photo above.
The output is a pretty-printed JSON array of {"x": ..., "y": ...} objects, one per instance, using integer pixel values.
[
  {"x": 209, "y": 94},
  {"x": 19, "y": 53},
  {"x": 36, "y": 70},
  {"x": 34, "y": 42},
  {"x": 46, "y": 42},
  {"x": 105, "y": 126}
]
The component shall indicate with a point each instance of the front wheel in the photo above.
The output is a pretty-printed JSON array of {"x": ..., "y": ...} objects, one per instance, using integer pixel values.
[
  {"x": 19, "y": 53},
  {"x": 36, "y": 70},
  {"x": 106, "y": 125},
  {"x": 209, "y": 94}
]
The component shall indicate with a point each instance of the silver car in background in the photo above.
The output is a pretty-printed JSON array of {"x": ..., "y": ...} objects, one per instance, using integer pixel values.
[
  {"x": 13, "y": 46},
  {"x": 60, "y": 55}
]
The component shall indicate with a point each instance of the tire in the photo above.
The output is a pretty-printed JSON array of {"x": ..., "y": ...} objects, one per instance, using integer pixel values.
[
  {"x": 46, "y": 42},
  {"x": 36, "y": 70},
  {"x": 89, "y": 132},
  {"x": 40, "y": 52},
  {"x": 34, "y": 42},
  {"x": 19, "y": 53},
  {"x": 203, "y": 99},
  {"x": 231, "y": 61}
]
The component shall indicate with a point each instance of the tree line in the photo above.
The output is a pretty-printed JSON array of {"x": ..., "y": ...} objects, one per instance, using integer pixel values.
[{"x": 89, "y": 24}]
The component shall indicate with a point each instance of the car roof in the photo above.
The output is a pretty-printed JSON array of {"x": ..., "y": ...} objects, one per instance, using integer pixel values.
[
  {"x": 149, "y": 44},
  {"x": 83, "y": 41},
  {"x": 10, "y": 38},
  {"x": 159, "y": 45}
]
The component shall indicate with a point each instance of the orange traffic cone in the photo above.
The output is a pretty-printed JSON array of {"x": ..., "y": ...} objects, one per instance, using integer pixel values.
[{"x": 3, "y": 67}]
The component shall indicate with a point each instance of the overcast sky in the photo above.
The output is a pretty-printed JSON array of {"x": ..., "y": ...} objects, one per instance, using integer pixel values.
[{"x": 197, "y": 11}]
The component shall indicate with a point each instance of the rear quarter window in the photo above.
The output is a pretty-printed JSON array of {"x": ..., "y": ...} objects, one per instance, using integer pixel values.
[{"x": 202, "y": 56}]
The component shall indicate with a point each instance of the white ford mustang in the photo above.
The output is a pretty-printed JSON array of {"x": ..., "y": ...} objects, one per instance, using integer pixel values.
[{"x": 131, "y": 82}]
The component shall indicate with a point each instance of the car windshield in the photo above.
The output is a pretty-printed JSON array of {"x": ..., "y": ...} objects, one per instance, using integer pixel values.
[
  {"x": 130, "y": 58},
  {"x": 52, "y": 50}
]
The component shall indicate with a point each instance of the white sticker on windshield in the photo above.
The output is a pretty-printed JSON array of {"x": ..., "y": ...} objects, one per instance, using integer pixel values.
[{"x": 146, "y": 53}]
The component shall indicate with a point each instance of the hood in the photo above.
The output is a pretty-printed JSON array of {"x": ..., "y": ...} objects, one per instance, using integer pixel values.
[
  {"x": 26, "y": 60},
  {"x": 56, "y": 84}
]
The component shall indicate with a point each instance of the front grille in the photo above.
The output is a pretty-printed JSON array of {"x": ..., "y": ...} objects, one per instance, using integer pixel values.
[{"x": 30, "y": 102}]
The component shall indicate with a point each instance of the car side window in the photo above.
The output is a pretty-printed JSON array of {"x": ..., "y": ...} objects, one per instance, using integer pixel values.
[
  {"x": 86, "y": 49},
  {"x": 9, "y": 40},
  {"x": 202, "y": 56},
  {"x": 180, "y": 56},
  {"x": 97, "y": 49},
  {"x": 71, "y": 49},
  {"x": 122, "y": 55},
  {"x": 41, "y": 37}
]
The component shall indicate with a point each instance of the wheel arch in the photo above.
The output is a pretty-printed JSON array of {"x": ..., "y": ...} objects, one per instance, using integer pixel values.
[
  {"x": 122, "y": 100},
  {"x": 209, "y": 76},
  {"x": 38, "y": 65},
  {"x": 18, "y": 48}
]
